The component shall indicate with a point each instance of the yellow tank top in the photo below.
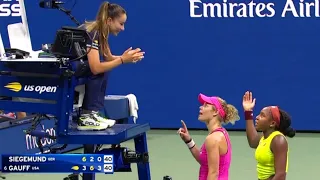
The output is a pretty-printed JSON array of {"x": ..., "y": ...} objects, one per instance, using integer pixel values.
[{"x": 265, "y": 158}]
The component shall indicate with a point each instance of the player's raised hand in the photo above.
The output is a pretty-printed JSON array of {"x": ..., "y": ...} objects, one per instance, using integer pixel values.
[
  {"x": 183, "y": 132},
  {"x": 248, "y": 102}
]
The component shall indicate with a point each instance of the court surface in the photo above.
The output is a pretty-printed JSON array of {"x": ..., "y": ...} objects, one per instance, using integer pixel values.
[{"x": 170, "y": 156}]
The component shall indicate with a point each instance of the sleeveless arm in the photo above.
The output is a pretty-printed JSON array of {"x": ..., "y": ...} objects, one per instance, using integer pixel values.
[
  {"x": 195, "y": 153},
  {"x": 212, "y": 147},
  {"x": 252, "y": 135},
  {"x": 279, "y": 147}
]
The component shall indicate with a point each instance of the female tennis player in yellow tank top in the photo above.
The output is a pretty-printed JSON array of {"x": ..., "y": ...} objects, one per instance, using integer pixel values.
[{"x": 272, "y": 148}]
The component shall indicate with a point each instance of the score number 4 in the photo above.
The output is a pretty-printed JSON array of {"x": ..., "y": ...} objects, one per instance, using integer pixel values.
[
  {"x": 108, "y": 159},
  {"x": 108, "y": 168}
]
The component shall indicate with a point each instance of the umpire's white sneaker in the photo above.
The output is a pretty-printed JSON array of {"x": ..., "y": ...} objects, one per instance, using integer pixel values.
[
  {"x": 109, "y": 122},
  {"x": 89, "y": 122}
]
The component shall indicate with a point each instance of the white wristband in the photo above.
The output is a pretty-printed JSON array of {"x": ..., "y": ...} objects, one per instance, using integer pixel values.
[{"x": 191, "y": 144}]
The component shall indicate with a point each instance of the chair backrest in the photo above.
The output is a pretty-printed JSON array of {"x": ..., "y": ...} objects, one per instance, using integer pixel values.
[
  {"x": 25, "y": 23},
  {"x": 18, "y": 37},
  {"x": 2, "y": 51}
]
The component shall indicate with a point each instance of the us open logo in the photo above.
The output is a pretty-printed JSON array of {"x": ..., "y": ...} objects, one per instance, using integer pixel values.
[
  {"x": 40, "y": 89},
  {"x": 14, "y": 86}
]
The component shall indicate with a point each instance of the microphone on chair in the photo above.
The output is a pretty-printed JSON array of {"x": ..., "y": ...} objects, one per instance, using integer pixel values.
[{"x": 50, "y": 4}]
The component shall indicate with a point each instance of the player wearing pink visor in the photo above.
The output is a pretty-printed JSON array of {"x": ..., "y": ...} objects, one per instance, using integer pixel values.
[{"x": 214, "y": 156}]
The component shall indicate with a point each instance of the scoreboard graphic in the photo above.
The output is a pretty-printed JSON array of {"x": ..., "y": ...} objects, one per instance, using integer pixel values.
[{"x": 57, "y": 163}]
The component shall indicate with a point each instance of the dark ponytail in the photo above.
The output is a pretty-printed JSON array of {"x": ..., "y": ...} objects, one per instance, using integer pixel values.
[
  {"x": 285, "y": 125},
  {"x": 290, "y": 132}
]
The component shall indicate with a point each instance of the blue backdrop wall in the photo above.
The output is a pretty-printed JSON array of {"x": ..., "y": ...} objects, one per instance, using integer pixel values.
[{"x": 268, "y": 51}]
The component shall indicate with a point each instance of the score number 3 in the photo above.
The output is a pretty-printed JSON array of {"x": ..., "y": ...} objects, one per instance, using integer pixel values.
[{"x": 91, "y": 168}]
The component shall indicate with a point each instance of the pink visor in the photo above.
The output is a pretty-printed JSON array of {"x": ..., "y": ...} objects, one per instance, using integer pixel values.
[{"x": 213, "y": 101}]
